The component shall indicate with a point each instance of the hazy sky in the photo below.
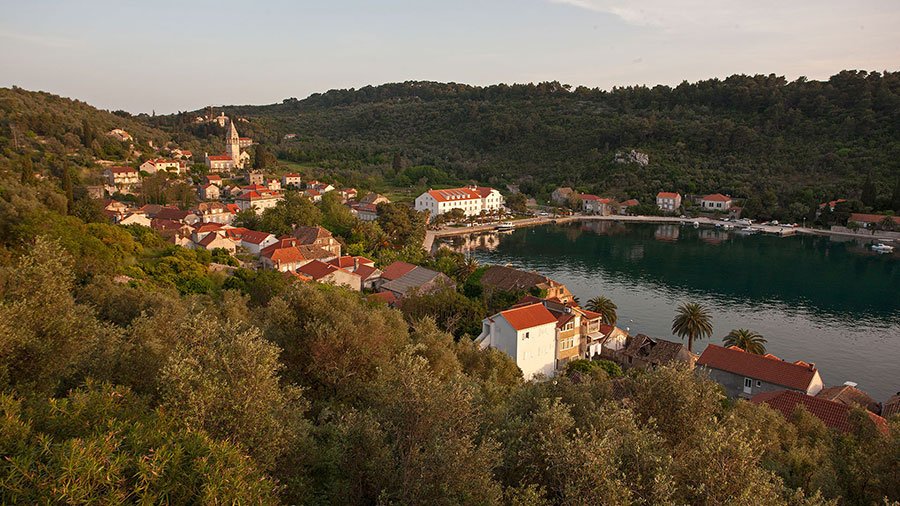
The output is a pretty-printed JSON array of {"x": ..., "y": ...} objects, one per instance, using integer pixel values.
[{"x": 142, "y": 55}]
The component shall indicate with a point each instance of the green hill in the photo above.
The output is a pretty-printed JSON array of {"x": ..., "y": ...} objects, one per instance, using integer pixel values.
[{"x": 800, "y": 141}]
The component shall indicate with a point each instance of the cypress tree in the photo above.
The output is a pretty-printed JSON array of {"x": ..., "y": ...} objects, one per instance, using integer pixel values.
[
  {"x": 67, "y": 188},
  {"x": 869, "y": 192}
]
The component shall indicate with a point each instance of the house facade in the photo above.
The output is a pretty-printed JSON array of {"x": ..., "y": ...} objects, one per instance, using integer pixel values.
[
  {"x": 291, "y": 181},
  {"x": 122, "y": 177},
  {"x": 715, "y": 202},
  {"x": 210, "y": 192},
  {"x": 322, "y": 272},
  {"x": 872, "y": 220},
  {"x": 745, "y": 374},
  {"x": 472, "y": 200},
  {"x": 592, "y": 204},
  {"x": 668, "y": 202},
  {"x": 218, "y": 163},
  {"x": 156, "y": 165},
  {"x": 527, "y": 334},
  {"x": 623, "y": 206},
  {"x": 257, "y": 201}
]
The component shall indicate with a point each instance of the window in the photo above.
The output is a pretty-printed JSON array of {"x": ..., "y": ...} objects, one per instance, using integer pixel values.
[
  {"x": 527, "y": 335},
  {"x": 758, "y": 383},
  {"x": 748, "y": 382}
]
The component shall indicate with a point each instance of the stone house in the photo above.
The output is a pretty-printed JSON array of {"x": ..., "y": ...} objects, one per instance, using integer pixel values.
[{"x": 744, "y": 374}]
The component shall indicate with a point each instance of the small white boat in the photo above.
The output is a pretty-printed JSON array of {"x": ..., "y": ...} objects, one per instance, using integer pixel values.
[
  {"x": 696, "y": 224},
  {"x": 506, "y": 225},
  {"x": 882, "y": 248}
]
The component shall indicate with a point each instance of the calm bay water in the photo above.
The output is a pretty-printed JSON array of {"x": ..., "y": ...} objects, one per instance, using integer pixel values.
[{"x": 831, "y": 302}]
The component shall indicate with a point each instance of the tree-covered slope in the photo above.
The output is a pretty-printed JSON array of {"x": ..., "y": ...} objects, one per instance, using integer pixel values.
[{"x": 803, "y": 140}]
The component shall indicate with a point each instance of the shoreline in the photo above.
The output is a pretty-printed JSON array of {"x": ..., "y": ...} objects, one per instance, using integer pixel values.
[{"x": 432, "y": 235}]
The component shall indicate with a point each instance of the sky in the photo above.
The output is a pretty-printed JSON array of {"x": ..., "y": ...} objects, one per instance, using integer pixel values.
[{"x": 167, "y": 56}]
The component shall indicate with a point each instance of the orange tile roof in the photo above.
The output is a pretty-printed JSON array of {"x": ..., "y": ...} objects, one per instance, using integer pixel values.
[
  {"x": 526, "y": 317},
  {"x": 454, "y": 194},
  {"x": 629, "y": 203},
  {"x": 219, "y": 158},
  {"x": 287, "y": 255},
  {"x": 667, "y": 195},
  {"x": 768, "y": 368},
  {"x": 717, "y": 197},
  {"x": 834, "y": 415}
]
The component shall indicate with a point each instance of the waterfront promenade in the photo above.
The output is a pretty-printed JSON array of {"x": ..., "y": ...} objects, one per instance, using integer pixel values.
[{"x": 432, "y": 235}]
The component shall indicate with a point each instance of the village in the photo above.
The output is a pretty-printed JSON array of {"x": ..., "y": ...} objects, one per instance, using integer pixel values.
[{"x": 545, "y": 332}]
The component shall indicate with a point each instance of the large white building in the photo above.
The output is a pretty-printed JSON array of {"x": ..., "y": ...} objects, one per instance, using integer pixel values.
[
  {"x": 527, "y": 334},
  {"x": 472, "y": 200},
  {"x": 258, "y": 200}
]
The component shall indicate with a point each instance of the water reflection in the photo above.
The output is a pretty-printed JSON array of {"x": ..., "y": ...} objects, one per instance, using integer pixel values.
[{"x": 830, "y": 301}]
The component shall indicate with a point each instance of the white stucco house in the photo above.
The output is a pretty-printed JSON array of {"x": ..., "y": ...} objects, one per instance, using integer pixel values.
[
  {"x": 527, "y": 334},
  {"x": 472, "y": 200}
]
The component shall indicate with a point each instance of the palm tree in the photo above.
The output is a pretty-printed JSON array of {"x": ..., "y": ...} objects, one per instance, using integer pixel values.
[
  {"x": 466, "y": 268},
  {"x": 746, "y": 340},
  {"x": 606, "y": 307},
  {"x": 692, "y": 321}
]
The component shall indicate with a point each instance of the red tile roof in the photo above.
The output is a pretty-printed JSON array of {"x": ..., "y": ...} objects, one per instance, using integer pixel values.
[
  {"x": 122, "y": 170},
  {"x": 220, "y": 158},
  {"x": 629, "y": 203},
  {"x": 386, "y": 297},
  {"x": 667, "y": 195},
  {"x": 768, "y": 368},
  {"x": 350, "y": 261},
  {"x": 207, "y": 227},
  {"x": 396, "y": 270},
  {"x": 526, "y": 317},
  {"x": 849, "y": 395},
  {"x": 366, "y": 271},
  {"x": 717, "y": 197},
  {"x": 254, "y": 237},
  {"x": 872, "y": 218},
  {"x": 317, "y": 269},
  {"x": 587, "y": 196},
  {"x": 832, "y": 203},
  {"x": 172, "y": 213},
  {"x": 208, "y": 239},
  {"x": 834, "y": 415}
]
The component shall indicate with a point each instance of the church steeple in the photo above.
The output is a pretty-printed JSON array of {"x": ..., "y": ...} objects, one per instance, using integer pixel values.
[{"x": 233, "y": 144}]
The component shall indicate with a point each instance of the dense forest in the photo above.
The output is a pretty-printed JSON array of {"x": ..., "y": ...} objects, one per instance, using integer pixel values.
[{"x": 783, "y": 142}]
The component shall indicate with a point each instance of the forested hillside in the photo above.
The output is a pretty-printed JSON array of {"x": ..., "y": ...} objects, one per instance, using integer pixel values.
[{"x": 802, "y": 141}]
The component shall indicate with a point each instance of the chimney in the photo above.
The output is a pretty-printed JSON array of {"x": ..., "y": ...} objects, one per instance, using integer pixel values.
[{"x": 355, "y": 263}]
